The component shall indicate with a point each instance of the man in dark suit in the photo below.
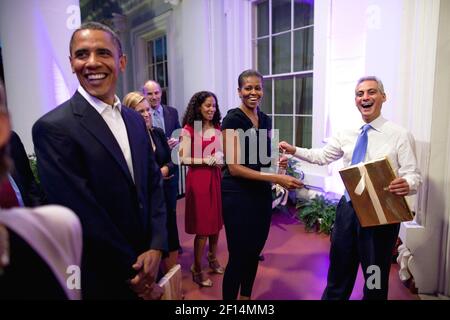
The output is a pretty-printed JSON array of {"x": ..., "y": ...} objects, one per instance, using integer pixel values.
[
  {"x": 95, "y": 157},
  {"x": 163, "y": 116}
]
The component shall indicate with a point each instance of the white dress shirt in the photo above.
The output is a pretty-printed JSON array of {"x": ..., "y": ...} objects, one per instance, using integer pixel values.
[
  {"x": 113, "y": 118},
  {"x": 384, "y": 139}
]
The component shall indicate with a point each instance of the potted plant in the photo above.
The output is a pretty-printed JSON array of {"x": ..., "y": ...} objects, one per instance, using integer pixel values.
[{"x": 318, "y": 214}]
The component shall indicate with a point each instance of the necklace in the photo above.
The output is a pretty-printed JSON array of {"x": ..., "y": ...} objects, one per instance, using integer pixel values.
[{"x": 252, "y": 116}]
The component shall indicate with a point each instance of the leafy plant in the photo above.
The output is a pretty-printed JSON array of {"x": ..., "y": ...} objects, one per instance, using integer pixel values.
[
  {"x": 33, "y": 166},
  {"x": 294, "y": 170},
  {"x": 318, "y": 213}
]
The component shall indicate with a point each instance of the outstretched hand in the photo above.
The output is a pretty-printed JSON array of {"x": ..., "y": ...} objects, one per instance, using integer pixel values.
[
  {"x": 283, "y": 162},
  {"x": 286, "y": 147},
  {"x": 289, "y": 182}
]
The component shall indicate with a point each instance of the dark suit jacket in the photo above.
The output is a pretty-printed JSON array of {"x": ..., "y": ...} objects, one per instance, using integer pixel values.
[
  {"x": 82, "y": 167},
  {"x": 162, "y": 152},
  {"x": 32, "y": 194},
  {"x": 171, "y": 121}
]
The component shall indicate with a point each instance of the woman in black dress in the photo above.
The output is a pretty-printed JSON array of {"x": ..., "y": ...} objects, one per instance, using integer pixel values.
[
  {"x": 137, "y": 101},
  {"x": 246, "y": 192}
]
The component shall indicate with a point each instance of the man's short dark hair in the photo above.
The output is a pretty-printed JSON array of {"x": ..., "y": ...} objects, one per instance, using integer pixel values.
[{"x": 97, "y": 26}]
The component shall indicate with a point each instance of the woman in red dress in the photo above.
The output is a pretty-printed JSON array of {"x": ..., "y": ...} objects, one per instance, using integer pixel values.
[{"x": 200, "y": 149}]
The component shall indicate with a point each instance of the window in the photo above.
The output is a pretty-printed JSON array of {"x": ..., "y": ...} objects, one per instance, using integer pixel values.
[
  {"x": 283, "y": 53},
  {"x": 157, "y": 64}
]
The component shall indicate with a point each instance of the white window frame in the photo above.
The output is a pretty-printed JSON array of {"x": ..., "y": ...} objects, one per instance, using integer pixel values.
[
  {"x": 140, "y": 35},
  {"x": 290, "y": 75}
]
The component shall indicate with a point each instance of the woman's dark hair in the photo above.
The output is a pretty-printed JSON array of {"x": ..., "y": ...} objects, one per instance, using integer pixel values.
[
  {"x": 193, "y": 109},
  {"x": 248, "y": 73}
]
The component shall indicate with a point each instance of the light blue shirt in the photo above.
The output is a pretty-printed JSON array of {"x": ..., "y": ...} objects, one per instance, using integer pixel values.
[{"x": 158, "y": 117}]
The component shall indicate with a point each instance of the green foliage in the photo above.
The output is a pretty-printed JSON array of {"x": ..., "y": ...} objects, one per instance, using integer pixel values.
[
  {"x": 291, "y": 169},
  {"x": 33, "y": 166},
  {"x": 318, "y": 213}
]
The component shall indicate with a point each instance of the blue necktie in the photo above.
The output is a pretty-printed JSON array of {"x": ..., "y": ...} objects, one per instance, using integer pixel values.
[
  {"x": 359, "y": 153},
  {"x": 157, "y": 120}
]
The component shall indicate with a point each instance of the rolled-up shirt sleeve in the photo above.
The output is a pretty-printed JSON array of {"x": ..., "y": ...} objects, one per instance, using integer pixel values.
[
  {"x": 332, "y": 151},
  {"x": 407, "y": 162}
]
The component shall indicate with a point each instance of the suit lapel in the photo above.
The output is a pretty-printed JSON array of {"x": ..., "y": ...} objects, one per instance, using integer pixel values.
[
  {"x": 93, "y": 122},
  {"x": 167, "y": 120},
  {"x": 134, "y": 139}
]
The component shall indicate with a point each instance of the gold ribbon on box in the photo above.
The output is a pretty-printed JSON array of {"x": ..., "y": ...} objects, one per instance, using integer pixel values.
[{"x": 366, "y": 183}]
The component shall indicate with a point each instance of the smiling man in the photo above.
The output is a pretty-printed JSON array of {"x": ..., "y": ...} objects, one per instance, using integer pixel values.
[
  {"x": 352, "y": 244},
  {"x": 164, "y": 117},
  {"x": 95, "y": 157}
]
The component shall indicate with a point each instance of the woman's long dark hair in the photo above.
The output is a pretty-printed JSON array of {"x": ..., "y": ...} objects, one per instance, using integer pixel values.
[{"x": 193, "y": 109}]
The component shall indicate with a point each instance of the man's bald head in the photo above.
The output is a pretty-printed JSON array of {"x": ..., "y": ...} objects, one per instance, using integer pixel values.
[{"x": 152, "y": 92}]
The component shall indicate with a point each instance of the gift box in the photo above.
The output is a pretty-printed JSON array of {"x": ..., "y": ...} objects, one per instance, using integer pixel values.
[
  {"x": 171, "y": 283},
  {"x": 367, "y": 185}
]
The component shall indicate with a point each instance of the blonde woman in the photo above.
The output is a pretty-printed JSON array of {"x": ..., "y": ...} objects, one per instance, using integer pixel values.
[{"x": 135, "y": 100}]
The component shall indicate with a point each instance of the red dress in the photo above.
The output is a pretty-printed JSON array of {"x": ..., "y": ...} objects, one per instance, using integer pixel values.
[{"x": 203, "y": 215}]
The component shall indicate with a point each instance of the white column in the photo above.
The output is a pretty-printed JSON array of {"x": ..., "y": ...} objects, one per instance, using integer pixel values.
[
  {"x": 211, "y": 46},
  {"x": 35, "y": 45},
  {"x": 238, "y": 48},
  {"x": 426, "y": 91}
]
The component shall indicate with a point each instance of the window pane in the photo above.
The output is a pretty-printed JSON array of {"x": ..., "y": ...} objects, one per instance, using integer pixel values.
[
  {"x": 166, "y": 78},
  {"x": 263, "y": 56},
  {"x": 281, "y": 53},
  {"x": 303, "y": 134},
  {"x": 303, "y": 13},
  {"x": 266, "y": 105},
  {"x": 284, "y": 125},
  {"x": 164, "y": 95},
  {"x": 303, "y": 49},
  {"x": 160, "y": 73},
  {"x": 281, "y": 15},
  {"x": 165, "y": 48},
  {"x": 159, "y": 50},
  {"x": 150, "y": 74},
  {"x": 283, "y": 96},
  {"x": 150, "y": 57},
  {"x": 303, "y": 95},
  {"x": 262, "y": 10}
]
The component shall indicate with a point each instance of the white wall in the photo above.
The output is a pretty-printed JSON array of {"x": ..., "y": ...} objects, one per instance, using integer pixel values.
[
  {"x": 208, "y": 47},
  {"x": 429, "y": 239},
  {"x": 35, "y": 46}
]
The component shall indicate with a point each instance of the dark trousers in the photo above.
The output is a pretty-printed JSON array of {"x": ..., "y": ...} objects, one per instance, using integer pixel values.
[
  {"x": 351, "y": 245},
  {"x": 170, "y": 194},
  {"x": 247, "y": 223}
]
